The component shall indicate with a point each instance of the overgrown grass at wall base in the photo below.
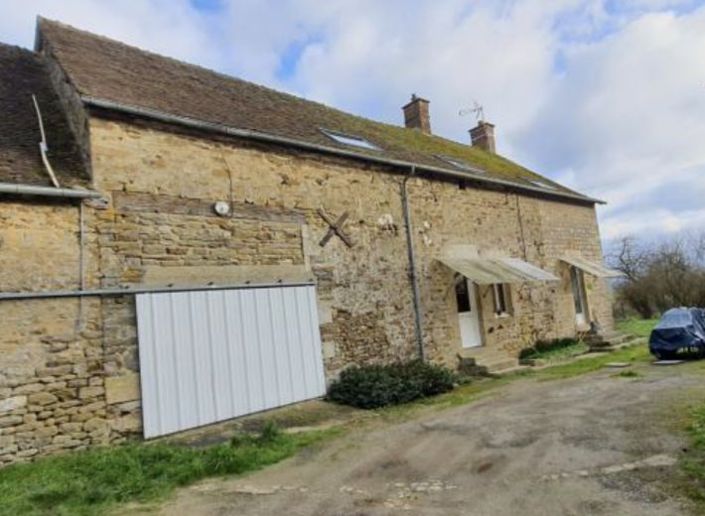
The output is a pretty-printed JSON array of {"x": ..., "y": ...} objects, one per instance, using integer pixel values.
[
  {"x": 373, "y": 386},
  {"x": 544, "y": 346},
  {"x": 90, "y": 482}
]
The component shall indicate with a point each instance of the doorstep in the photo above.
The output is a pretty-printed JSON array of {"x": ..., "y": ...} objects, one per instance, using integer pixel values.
[{"x": 490, "y": 360}]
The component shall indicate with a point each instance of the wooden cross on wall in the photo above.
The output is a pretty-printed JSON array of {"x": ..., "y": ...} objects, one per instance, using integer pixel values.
[{"x": 335, "y": 228}]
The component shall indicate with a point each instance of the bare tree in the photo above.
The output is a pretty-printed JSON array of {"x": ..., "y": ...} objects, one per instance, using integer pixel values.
[{"x": 659, "y": 277}]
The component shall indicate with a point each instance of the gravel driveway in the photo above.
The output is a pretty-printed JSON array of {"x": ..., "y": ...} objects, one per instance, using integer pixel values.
[{"x": 591, "y": 445}]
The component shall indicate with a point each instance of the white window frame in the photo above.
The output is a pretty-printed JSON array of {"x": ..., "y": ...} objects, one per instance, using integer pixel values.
[
  {"x": 542, "y": 184},
  {"x": 580, "y": 300},
  {"x": 459, "y": 164},
  {"x": 501, "y": 297},
  {"x": 350, "y": 140}
]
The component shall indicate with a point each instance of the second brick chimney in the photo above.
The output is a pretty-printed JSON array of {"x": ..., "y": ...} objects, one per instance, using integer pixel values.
[
  {"x": 416, "y": 115},
  {"x": 482, "y": 136}
]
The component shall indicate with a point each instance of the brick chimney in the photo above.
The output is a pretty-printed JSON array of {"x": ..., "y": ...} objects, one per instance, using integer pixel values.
[
  {"x": 482, "y": 136},
  {"x": 416, "y": 115}
]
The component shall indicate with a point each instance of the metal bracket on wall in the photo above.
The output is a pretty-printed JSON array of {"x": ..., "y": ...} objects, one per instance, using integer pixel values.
[{"x": 335, "y": 228}]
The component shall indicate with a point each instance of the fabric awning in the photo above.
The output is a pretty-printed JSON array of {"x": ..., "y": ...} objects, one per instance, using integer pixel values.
[
  {"x": 594, "y": 268},
  {"x": 487, "y": 271}
]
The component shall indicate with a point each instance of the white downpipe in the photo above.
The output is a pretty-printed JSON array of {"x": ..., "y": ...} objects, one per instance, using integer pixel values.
[{"x": 43, "y": 148}]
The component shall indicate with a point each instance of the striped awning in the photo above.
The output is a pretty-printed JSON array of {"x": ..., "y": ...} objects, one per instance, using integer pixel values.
[
  {"x": 593, "y": 268},
  {"x": 488, "y": 271}
]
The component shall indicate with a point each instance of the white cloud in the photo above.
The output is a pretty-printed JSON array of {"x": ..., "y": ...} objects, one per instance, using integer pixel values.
[{"x": 606, "y": 96}]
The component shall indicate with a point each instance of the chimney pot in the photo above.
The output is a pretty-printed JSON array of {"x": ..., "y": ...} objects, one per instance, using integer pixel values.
[
  {"x": 482, "y": 136},
  {"x": 416, "y": 114}
]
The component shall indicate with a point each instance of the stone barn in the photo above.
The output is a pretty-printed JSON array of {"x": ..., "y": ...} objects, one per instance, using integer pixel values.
[{"x": 180, "y": 247}]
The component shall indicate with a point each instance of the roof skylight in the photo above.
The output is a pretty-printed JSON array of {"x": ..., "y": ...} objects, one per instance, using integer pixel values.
[
  {"x": 542, "y": 184},
  {"x": 349, "y": 139},
  {"x": 460, "y": 164}
]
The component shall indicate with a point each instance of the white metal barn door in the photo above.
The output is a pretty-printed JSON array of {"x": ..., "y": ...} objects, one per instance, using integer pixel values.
[{"x": 207, "y": 356}]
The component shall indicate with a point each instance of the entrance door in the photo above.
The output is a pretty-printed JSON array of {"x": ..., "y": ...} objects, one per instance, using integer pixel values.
[
  {"x": 577, "y": 282},
  {"x": 468, "y": 314}
]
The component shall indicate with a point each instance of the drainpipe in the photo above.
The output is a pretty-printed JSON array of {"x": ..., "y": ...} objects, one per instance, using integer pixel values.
[{"x": 413, "y": 278}]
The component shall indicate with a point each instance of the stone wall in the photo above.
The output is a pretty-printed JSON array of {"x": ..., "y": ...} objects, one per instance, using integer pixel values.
[
  {"x": 72, "y": 376},
  {"x": 51, "y": 381}
]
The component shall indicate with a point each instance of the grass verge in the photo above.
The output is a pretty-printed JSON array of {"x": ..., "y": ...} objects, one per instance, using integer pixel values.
[
  {"x": 693, "y": 464},
  {"x": 638, "y": 327},
  {"x": 475, "y": 390},
  {"x": 593, "y": 363},
  {"x": 561, "y": 353},
  {"x": 91, "y": 482}
]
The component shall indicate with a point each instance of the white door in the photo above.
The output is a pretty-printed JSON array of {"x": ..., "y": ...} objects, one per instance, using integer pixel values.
[
  {"x": 577, "y": 282},
  {"x": 468, "y": 314},
  {"x": 207, "y": 356}
]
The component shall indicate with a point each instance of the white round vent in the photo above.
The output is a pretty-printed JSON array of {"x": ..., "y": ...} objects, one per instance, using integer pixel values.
[{"x": 222, "y": 208}]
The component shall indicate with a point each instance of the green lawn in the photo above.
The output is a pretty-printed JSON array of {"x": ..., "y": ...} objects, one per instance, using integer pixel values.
[
  {"x": 638, "y": 327},
  {"x": 639, "y": 353},
  {"x": 91, "y": 482}
]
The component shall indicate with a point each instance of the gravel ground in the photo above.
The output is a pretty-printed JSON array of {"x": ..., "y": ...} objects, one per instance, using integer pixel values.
[{"x": 590, "y": 445}]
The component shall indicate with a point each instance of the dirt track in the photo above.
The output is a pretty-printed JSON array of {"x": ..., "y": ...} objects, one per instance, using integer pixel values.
[{"x": 596, "y": 444}]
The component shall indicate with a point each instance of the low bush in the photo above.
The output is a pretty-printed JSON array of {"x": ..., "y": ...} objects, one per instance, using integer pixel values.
[{"x": 373, "y": 386}]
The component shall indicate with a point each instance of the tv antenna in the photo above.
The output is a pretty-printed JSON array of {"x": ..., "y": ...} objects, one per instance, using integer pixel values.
[{"x": 476, "y": 110}]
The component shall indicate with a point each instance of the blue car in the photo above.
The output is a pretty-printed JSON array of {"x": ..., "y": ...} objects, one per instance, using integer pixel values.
[{"x": 681, "y": 331}]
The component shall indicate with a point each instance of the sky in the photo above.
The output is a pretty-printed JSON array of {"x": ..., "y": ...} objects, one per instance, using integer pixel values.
[{"x": 604, "y": 96}]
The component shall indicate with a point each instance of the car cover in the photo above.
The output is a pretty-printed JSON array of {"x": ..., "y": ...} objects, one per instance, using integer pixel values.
[{"x": 679, "y": 328}]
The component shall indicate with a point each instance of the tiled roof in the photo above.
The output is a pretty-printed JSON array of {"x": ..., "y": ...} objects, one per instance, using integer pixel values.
[
  {"x": 22, "y": 74},
  {"x": 101, "y": 68}
]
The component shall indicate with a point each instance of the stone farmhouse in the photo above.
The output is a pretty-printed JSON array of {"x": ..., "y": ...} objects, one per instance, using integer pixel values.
[{"x": 179, "y": 247}]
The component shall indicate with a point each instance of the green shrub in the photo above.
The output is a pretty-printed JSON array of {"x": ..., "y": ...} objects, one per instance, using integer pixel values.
[{"x": 373, "y": 386}]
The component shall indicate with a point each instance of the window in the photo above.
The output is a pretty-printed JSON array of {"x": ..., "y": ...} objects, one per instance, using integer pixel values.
[
  {"x": 460, "y": 164},
  {"x": 502, "y": 299},
  {"x": 577, "y": 282},
  {"x": 462, "y": 295},
  {"x": 542, "y": 184},
  {"x": 348, "y": 139}
]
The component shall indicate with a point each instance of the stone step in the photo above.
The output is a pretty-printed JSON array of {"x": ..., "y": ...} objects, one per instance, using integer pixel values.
[
  {"x": 608, "y": 341},
  {"x": 608, "y": 336},
  {"x": 619, "y": 338},
  {"x": 486, "y": 362},
  {"x": 510, "y": 370},
  {"x": 621, "y": 344},
  {"x": 498, "y": 364}
]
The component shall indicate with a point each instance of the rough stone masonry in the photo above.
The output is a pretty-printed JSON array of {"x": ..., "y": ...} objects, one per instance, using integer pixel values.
[{"x": 70, "y": 367}]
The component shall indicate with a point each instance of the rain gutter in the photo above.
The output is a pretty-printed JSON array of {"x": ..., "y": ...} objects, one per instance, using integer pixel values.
[{"x": 47, "y": 191}]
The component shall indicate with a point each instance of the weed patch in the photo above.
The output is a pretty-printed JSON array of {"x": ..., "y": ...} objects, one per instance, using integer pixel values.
[
  {"x": 629, "y": 374},
  {"x": 554, "y": 351},
  {"x": 638, "y": 327},
  {"x": 90, "y": 482}
]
